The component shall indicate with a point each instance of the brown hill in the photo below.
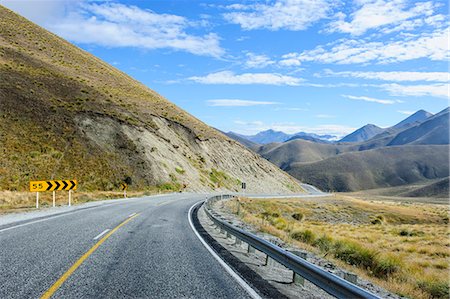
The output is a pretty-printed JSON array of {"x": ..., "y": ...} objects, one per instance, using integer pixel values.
[
  {"x": 383, "y": 167},
  {"x": 66, "y": 114}
]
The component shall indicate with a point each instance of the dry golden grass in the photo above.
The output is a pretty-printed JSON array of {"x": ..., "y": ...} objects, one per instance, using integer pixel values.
[
  {"x": 26, "y": 201},
  {"x": 403, "y": 247}
]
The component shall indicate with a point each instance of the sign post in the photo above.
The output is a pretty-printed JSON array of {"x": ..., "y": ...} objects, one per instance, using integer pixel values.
[
  {"x": 243, "y": 186},
  {"x": 41, "y": 186},
  {"x": 124, "y": 187}
]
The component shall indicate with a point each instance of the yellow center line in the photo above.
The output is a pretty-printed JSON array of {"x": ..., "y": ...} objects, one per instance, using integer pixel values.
[{"x": 74, "y": 267}]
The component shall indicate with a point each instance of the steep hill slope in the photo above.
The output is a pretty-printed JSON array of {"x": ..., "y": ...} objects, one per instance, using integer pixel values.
[
  {"x": 242, "y": 140},
  {"x": 301, "y": 151},
  {"x": 66, "y": 114},
  {"x": 432, "y": 130},
  {"x": 383, "y": 167},
  {"x": 435, "y": 130},
  {"x": 415, "y": 118},
  {"x": 362, "y": 134}
]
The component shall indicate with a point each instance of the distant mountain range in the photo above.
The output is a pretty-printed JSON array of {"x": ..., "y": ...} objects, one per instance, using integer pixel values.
[
  {"x": 369, "y": 131},
  {"x": 416, "y": 150},
  {"x": 270, "y": 136},
  {"x": 362, "y": 134}
]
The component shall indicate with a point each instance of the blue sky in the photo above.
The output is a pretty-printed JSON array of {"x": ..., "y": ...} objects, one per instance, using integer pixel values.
[{"x": 320, "y": 66}]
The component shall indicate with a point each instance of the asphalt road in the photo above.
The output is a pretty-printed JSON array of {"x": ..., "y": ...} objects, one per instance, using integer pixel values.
[{"x": 152, "y": 254}]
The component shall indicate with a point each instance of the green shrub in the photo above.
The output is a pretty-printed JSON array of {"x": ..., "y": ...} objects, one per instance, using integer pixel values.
[
  {"x": 279, "y": 223},
  {"x": 436, "y": 289},
  {"x": 297, "y": 216},
  {"x": 324, "y": 243},
  {"x": 179, "y": 170},
  {"x": 354, "y": 254},
  {"x": 386, "y": 265},
  {"x": 305, "y": 236}
]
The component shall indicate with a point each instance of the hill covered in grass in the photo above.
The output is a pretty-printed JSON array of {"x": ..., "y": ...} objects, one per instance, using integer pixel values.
[
  {"x": 383, "y": 167},
  {"x": 66, "y": 114}
]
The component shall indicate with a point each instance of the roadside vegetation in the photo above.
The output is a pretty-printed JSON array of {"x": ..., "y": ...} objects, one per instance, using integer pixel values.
[
  {"x": 15, "y": 201},
  {"x": 403, "y": 247}
]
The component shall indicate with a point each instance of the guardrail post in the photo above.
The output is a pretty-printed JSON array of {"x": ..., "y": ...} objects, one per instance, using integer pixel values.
[
  {"x": 222, "y": 230},
  {"x": 266, "y": 260},
  {"x": 250, "y": 249},
  {"x": 297, "y": 279},
  {"x": 301, "y": 254},
  {"x": 238, "y": 242},
  {"x": 228, "y": 235},
  {"x": 353, "y": 278}
]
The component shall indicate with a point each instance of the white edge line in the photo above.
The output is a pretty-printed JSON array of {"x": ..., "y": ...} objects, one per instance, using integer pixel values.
[
  {"x": 53, "y": 216},
  {"x": 102, "y": 233},
  {"x": 36, "y": 221},
  {"x": 230, "y": 271}
]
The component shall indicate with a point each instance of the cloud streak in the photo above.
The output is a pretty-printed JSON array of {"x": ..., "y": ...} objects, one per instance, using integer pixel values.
[
  {"x": 368, "y": 99},
  {"x": 228, "y": 77},
  {"x": 392, "y": 76},
  {"x": 237, "y": 103}
]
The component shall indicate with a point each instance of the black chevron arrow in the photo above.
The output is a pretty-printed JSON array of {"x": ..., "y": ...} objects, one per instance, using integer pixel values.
[
  {"x": 74, "y": 184},
  {"x": 65, "y": 185},
  {"x": 49, "y": 183},
  {"x": 57, "y": 185}
]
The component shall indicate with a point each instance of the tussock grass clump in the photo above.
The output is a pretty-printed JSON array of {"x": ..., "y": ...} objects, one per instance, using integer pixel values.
[
  {"x": 305, "y": 236},
  {"x": 435, "y": 287},
  {"x": 354, "y": 253},
  {"x": 297, "y": 216}
]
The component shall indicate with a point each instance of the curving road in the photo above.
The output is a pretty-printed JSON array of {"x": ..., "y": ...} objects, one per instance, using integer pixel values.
[{"x": 147, "y": 250}]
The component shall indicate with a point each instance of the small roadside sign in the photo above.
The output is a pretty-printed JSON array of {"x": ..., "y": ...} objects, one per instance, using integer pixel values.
[
  {"x": 124, "y": 186},
  {"x": 244, "y": 185},
  {"x": 41, "y": 186}
]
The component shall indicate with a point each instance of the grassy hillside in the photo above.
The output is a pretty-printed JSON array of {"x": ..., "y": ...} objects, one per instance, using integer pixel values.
[
  {"x": 402, "y": 247},
  {"x": 434, "y": 189},
  {"x": 66, "y": 114},
  {"x": 301, "y": 151},
  {"x": 384, "y": 167}
]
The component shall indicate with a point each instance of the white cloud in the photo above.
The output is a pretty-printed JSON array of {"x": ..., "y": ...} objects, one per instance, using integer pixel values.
[
  {"x": 325, "y": 116},
  {"x": 368, "y": 99},
  {"x": 378, "y": 13},
  {"x": 237, "y": 103},
  {"x": 433, "y": 90},
  {"x": 394, "y": 76},
  {"x": 290, "y": 59},
  {"x": 228, "y": 77},
  {"x": 250, "y": 128},
  {"x": 291, "y": 109},
  {"x": 433, "y": 46},
  {"x": 406, "y": 112},
  {"x": 118, "y": 25},
  {"x": 249, "y": 123},
  {"x": 257, "y": 61},
  {"x": 280, "y": 14}
]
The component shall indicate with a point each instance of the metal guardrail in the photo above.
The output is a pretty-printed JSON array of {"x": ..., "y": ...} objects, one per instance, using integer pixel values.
[{"x": 332, "y": 284}]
